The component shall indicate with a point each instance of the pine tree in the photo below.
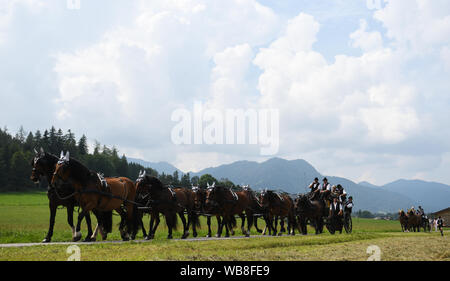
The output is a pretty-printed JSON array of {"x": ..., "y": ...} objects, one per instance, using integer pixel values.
[{"x": 83, "y": 146}]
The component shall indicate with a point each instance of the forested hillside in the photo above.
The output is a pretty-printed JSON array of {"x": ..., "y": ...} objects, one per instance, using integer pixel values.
[{"x": 17, "y": 152}]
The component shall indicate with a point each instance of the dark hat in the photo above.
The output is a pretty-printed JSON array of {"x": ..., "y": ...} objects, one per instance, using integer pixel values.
[
  {"x": 339, "y": 186},
  {"x": 325, "y": 179},
  {"x": 351, "y": 197},
  {"x": 316, "y": 179}
]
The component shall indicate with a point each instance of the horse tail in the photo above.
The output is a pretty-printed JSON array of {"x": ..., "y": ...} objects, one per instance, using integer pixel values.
[{"x": 105, "y": 218}]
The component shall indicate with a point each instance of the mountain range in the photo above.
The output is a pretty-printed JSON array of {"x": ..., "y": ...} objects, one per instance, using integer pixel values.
[{"x": 293, "y": 176}]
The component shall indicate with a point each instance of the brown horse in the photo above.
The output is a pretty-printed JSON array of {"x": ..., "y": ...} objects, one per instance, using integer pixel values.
[
  {"x": 311, "y": 210},
  {"x": 167, "y": 201},
  {"x": 414, "y": 221},
  {"x": 226, "y": 203},
  {"x": 44, "y": 165},
  {"x": 403, "y": 218},
  {"x": 279, "y": 206},
  {"x": 92, "y": 193},
  {"x": 200, "y": 208}
]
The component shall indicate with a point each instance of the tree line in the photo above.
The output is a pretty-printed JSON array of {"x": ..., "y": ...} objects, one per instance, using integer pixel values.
[{"x": 17, "y": 153}]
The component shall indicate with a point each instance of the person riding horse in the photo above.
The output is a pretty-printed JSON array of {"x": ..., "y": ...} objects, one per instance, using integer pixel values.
[{"x": 314, "y": 189}]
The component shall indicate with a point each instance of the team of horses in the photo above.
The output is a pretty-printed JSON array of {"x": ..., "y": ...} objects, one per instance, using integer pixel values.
[
  {"x": 72, "y": 184},
  {"x": 411, "y": 221}
]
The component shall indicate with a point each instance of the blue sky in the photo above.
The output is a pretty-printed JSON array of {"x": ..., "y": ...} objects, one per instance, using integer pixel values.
[{"x": 362, "y": 90}]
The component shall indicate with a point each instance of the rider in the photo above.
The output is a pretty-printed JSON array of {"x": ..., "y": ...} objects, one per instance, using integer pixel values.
[
  {"x": 421, "y": 211},
  {"x": 339, "y": 190},
  {"x": 325, "y": 190},
  {"x": 315, "y": 188}
]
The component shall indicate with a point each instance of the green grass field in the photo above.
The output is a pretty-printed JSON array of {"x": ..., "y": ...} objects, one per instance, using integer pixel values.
[{"x": 24, "y": 218}]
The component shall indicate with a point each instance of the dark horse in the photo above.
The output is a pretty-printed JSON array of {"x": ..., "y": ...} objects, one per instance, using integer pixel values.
[
  {"x": 414, "y": 221},
  {"x": 158, "y": 198},
  {"x": 200, "y": 208},
  {"x": 279, "y": 206},
  {"x": 403, "y": 217},
  {"x": 226, "y": 203},
  {"x": 44, "y": 165},
  {"x": 307, "y": 209},
  {"x": 94, "y": 195}
]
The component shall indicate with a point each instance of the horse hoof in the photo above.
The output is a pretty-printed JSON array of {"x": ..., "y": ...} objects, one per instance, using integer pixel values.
[
  {"x": 46, "y": 240},
  {"x": 194, "y": 234},
  {"x": 259, "y": 231},
  {"x": 76, "y": 239},
  {"x": 247, "y": 235},
  {"x": 125, "y": 239},
  {"x": 150, "y": 237},
  {"x": 169, "y": 237},
  {"x": 208, "y": 235},
  {"x": 217, "y": 235},
  {"x": 89, "y": 239}
]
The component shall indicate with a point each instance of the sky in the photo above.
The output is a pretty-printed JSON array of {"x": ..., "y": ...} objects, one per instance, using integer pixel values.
[{"x": 361, "y": 86}]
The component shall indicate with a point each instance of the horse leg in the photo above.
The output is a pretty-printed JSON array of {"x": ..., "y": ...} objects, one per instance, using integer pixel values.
[
  {"x": 49, "y": 235},
  {"x": 255, "y": 219},
  {"x": 194, "y": 220},
  {"x": 275, "y": 226},
  {"x": 219, "y": 226},
  {"x": 70, "y": 219},
  {"x": 123, "y": 222},
  {"x": 208, "y": 222},
  {"x": 144, "y": 233},
  {"x": 157, "y": 221},
  {"x": 185, "y": 225},
  {"x": 282, "y": 229},
  {"x": 151, "y": 234},
  {"x": 242, "y": 216},
  {"x": 250, "y": 219},
  {"x": 170, "y": 221},
  {"x": 77, "y": 235},
  {"x": 226, "y": 221}
]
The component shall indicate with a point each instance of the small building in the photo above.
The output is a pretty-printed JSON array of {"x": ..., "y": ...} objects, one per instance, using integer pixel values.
[{"x": 445, "y": 214}]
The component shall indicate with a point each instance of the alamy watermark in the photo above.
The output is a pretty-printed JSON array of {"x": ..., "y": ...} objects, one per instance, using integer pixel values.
[
  {"x": 375, "y": 253},
  {"x": 73, "y": 4},
  {"x": 373, "y": 4},
  {"x": 75, "y": 253},
  {"x": 229, "y": 126}
]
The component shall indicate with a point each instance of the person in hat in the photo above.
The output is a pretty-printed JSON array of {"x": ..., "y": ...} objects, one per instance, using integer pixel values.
[
  {"x": 348, "y": 205},
  {"x": 314, "y": 188}
]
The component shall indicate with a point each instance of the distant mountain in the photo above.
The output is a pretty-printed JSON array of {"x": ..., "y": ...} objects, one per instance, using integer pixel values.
[
  {"x": 432, "y": 196},
  {"x": 294, "y": 176},
  {"x": 161, "y": 167},
  {"x": 368, "y": 184}
]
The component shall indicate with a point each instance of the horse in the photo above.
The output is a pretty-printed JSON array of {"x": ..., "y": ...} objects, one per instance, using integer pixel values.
[
  {"x": 200, "y": 208},
  {"x": 161, "y": 199},
  {"x": 279, "y": 206},
  {"x": 43, "y": 166},
  {"x": 97, "y": 194},
  {"x": 414, "y": 221},
  {"x": 307, "y": 209},
  {"x": 226, "y": 203},
  {"x": 403, "y": 218},
  {"x": 255, "y": 209}
]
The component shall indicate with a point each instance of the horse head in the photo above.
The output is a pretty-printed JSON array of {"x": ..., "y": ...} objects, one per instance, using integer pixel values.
[
  {"x": 62, "y": 170},
  {"x": 43, "y": 164}
]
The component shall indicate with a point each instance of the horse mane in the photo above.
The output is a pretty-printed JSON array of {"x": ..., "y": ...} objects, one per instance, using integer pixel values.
[
  {"x": 154, "y": 181},
  {"x": 80, "y": 172}
]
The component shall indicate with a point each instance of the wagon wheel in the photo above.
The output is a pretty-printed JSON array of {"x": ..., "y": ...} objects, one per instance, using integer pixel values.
[{"x": 348, "y": 224}]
